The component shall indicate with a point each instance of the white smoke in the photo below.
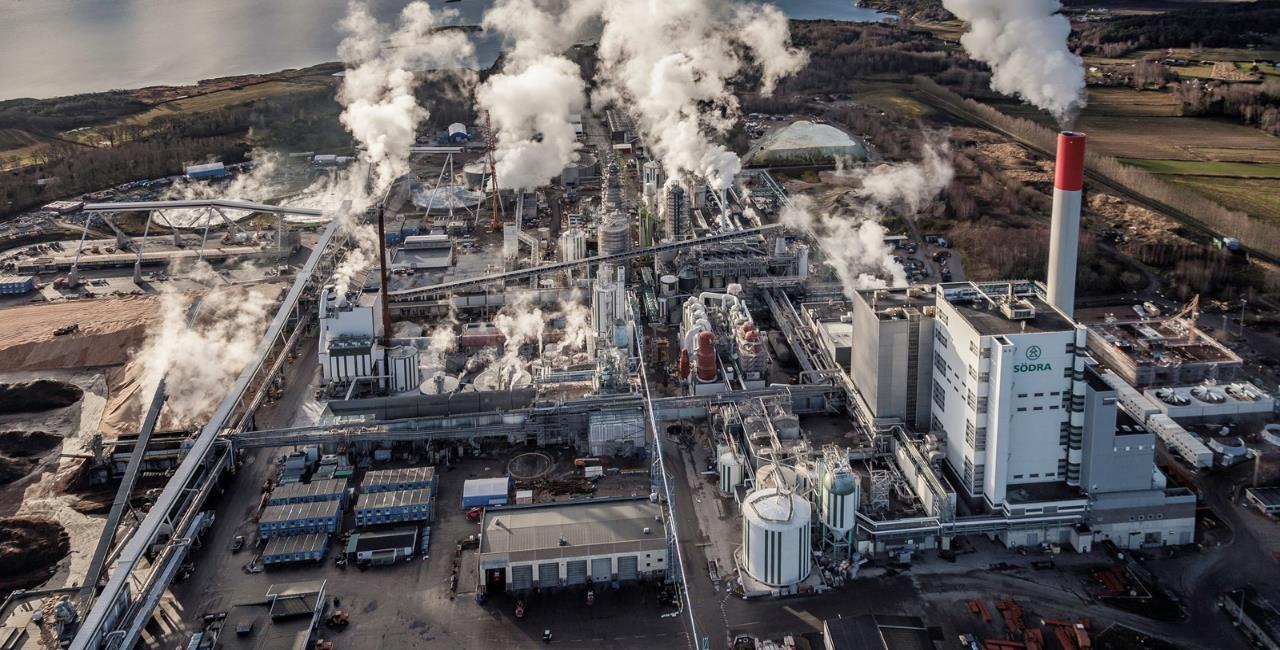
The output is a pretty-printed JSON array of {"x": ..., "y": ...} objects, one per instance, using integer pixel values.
[
  {"x": 199, "y": 360},
  {"x": 669, "y": 65},
  {"x": 261, "y": 183},
  {"x": 384, "y": 68},
  {"x": 577, "y": 323},
  {"x": 852, "y": 241},
  {"x": 1025, "y": 43}
]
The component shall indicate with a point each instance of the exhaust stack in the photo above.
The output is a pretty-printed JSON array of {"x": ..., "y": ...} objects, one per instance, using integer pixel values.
[{"x": 1064, "y": 237}]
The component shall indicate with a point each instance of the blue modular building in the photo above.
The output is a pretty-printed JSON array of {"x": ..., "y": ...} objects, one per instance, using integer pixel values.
[
  {"x": 17, "y": 284},
  {"x": 410, "y": 228},
  {"x": 300, "y": 519},
  {"x": 317, "y": 490},
  {"x": 295, "y": 548},
  {"x": 405, "y": 478},
  {"x": 392, "y": 237},
  {"x": 393, "y": 507},
  {"x": 485, "y": 492}
]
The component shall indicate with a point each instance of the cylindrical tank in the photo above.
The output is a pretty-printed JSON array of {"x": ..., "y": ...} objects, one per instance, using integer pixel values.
[
  {"x": 613, "y": 236},
  {"x": 802, "y": 260},
  {"x": 731, "y": 470},
  {"x": 706, "y": 357},
  {"x": 573, "y": 245},
  {"x": 620, "y": 337},
  {"x": 684, "y": 364},
  {"x": 780, "y": 476},
  {"x": 687, "y": 281},
  {"x": 474, "y": 174},
  {"x": 776, "y": 544},
  {"x": 667, "y": 286},
  {"x": 839, "y": 499},
  {"x": 439, "y": 383},
  {"x": 403, "y": 360}
]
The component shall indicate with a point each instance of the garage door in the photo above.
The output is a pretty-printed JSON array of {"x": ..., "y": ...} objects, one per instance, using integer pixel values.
[
  {"x": 628, "y": 567},
  {"x": 549, "y": 574},
  {"x": 522, "y": 577},
  {"x": 575, "y": 572},
  {"x": 601, "y": 569}
]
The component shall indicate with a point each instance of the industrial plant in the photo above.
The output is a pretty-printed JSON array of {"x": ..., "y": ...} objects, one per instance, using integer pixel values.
[{"x": 624, "y": 397}]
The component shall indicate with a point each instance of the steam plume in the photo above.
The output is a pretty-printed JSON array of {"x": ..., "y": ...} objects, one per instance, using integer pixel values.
[{"x": 1025, "y": 43}]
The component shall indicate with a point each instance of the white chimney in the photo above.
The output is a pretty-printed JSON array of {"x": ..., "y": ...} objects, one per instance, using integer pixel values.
[{"x": 1064, "y": 237}]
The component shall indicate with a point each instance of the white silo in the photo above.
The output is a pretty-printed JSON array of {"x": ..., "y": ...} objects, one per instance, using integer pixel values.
[
  {"x": 573, "y": 245},
  {"x": 776, "y": 545},
  {"x": 837, "y": 502},
  {"x": 731, "y": 471},
  {"x": 403, "y": 360}
]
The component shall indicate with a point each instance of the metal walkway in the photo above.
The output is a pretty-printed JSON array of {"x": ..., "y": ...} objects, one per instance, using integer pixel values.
[{"x": 403, "y": 295}]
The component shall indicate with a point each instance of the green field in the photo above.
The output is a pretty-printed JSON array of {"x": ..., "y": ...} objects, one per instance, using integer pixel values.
[
  {"x": 1258, "y": 197},
  {"x": 1206, "y": 168}
]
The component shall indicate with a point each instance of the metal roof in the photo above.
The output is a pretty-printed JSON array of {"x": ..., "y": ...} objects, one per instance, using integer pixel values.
[
  {"x": 574, "y": 528},
  {"x": 292, "y": 511},
  {"x": 325, "y": 487},
  {"x": 379, "y": 541},
  {"x": 295, "y": 544},
  {"x": 478, "y": 487},
  {"x": 393, "y": 499},
  {"x": 382, "y": 477}
]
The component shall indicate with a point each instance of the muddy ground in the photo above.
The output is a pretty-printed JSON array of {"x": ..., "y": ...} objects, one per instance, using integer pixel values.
[{"x": 30, "y": 549}]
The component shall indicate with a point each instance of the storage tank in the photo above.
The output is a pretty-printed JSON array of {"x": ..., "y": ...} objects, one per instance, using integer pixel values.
[
  {"x": 667, "y": 286},
  {"x": 403, "y": 360},
  {"x": 503, "y": 378},
  {"x": 437, "y": 382},
  {"x": 613, "y": 235},
  {"x": 802, "y": 260},
  {"x": 838, "y": 499},
  {"x": 687, "y": 280},
  {"x": 776, "y": 544},
  {"x": 731, "y": 471},
  {"x": 706, "y": 357},
  {"x": 573, "y": 245}
]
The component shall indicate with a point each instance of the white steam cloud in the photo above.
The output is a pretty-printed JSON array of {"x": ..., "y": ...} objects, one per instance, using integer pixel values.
[
  {"x": 531, "y": 100},
  {"x": 384, "y": 67},
  {"x": 1025, "y": 43},
  {"x": 669, "y": 65},
  {"x": 852, "y": 240}
]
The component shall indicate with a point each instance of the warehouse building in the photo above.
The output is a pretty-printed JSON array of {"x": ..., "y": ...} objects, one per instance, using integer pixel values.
[
  {"x": 17, "y": 284},
  {"x": 299, "y": 519},
  {"x": 572, "y": 543},
  {"x": 393, "y": 507},
  {"x": 295, "y": 548},
  {"x": 485, "y": 492},
  {"x": 382, "y": 547},
  {"x": 322, "y": 490},
  {"x": 393, "y": 480},
  {"x": 876, "y": 632}
]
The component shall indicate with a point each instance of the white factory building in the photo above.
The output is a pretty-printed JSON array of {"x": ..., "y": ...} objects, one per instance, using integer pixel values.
[
  {"x": 572, "y": 543},
  {"x": 349, "y": 349}
]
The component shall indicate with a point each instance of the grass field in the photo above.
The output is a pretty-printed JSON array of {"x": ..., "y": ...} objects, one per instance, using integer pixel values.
[
  {"x": 894, "y": 99},
  {"x": 1207, "y": 168},
  {"x": 1259, "y": 197}
]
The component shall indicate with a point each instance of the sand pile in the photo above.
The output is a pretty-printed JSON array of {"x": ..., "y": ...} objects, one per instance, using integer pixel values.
[
  {"x": 37, "y": 396},
  {"x": 30, "y": 549},
  {"x": 20, "y": 450},
  {"x": 108, "y": 330}
]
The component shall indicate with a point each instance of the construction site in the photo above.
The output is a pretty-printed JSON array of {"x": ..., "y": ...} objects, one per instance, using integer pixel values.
[{"x": 625, "y": 405}]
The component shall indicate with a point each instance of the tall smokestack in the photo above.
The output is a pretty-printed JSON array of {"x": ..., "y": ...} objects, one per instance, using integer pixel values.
[{"x": 1064, "y": 238}]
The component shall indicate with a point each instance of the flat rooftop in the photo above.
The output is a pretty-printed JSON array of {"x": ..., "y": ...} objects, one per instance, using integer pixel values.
[
  {"x": 573, "y": 529},
  {"x": 978, "y": 303},
  {"x": 1169, "y": 342},
  {"x": 1040, "y": 492},
  {"x": 897, "y": 303}
]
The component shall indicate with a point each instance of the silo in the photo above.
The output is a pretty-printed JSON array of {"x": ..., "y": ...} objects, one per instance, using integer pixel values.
[
  {"x": 802, "y": 260},
  {"x": 573, "y": 245},
  {"x": 731, "y": 471},
  {"x": 838, "y": 501},
  {"x": 687, "y": 279},
  {"x": 438, "y": 383},
  {"x": 403, "y": 360},
  {"x": 776, "y": 545},
  {"x": 613, "y": 235},
  {"x": 668, "y": 285},
  {"x": 770, "y": 475}
]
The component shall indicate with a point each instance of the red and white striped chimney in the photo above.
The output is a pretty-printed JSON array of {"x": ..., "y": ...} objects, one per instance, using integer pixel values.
[{"x": 1064, "y": 237}]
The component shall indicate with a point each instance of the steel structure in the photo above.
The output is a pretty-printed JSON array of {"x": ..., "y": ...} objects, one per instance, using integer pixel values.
[
  {"x": 404, "y": 295},
  {"x": 116, "y": 619},
  {"x": 141, "y": 206}
]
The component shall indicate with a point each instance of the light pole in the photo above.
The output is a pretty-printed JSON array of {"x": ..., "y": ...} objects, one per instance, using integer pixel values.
[{"x": 1243, "y": 302}]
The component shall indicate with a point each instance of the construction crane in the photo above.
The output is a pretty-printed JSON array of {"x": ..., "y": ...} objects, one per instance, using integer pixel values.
[{"x": 493, "y": 170}]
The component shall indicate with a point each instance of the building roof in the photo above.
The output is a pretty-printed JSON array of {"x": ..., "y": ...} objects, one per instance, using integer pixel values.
[
  {"x": 803, "y": 141},
  {"x": 1021, "y": 493},
  {"x": 1168, "y": 342},
  {"x": 896, "y": 303},
  {"x": 477, "y": 487},
  {"x": 573, "y": 528},
  {"x": 293, "y": 511},
  {"x": 377, "y": 478},
  {"x": 877, "y": 632},
  {"x": 383, "y": 540},
  {"x": 393, "y": 499},
  {"x": 324, "y": 487},
  {"x": 295, "y": 544},
  {"x": 978, "y": 304},
  {"x": 1269, "y": 497}
]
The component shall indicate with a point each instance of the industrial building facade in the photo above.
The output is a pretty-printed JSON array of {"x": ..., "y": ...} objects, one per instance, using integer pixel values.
[
  {"x": 393, "y": 507},
  {"x": 892, "y": 363},
  {"x": 300, "y": 519},
  {"x": 572, "y": 543}
]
